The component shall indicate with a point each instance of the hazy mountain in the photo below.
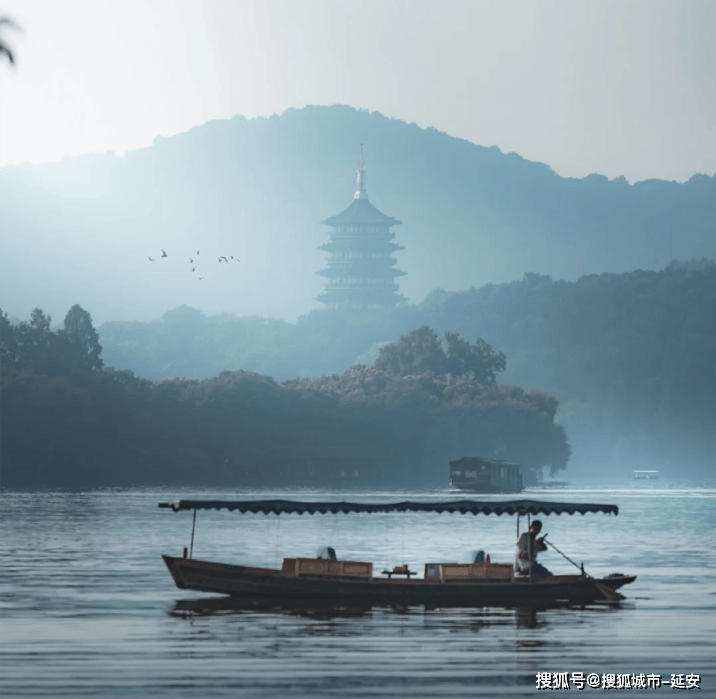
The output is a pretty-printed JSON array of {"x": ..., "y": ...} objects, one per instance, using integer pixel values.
[{"x": 81, "y": 230}]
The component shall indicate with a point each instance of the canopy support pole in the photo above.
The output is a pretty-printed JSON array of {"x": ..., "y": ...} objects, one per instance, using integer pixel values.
[
  {"x": 529, "y": 544},
  {"x": 193, "y": 526}
]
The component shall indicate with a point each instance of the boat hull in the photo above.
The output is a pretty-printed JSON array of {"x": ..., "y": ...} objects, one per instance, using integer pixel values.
[{"x": 244, "y": 581}]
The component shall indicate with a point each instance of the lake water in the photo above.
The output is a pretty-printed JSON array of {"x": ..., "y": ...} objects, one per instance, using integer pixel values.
[{"x": 89, "y": 609}]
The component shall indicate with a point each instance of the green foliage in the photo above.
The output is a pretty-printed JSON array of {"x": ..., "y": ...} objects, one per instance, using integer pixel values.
[
  {"x": 435, "y": 415},
  {"x": 83, "y": 338},
  {"x": 420, "y": 351},
  {"x": 479, "y": 362},
  {"x": 33, "y": 344},
  {"x": 36, "y": 345},
  {"x": 8, "y": 342},
  {"x": 401, "y": 418},
  {"x": 414, "y": 353}
]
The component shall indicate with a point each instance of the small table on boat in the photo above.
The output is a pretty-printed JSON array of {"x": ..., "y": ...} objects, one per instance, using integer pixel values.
[{"x": 398, "y": 570}]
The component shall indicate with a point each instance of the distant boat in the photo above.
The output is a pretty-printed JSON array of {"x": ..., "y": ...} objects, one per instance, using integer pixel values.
[
  {"x": 646, "y": 475},
  {"x": 552, "y": 484},
  {"x": 485, "y": 475}
]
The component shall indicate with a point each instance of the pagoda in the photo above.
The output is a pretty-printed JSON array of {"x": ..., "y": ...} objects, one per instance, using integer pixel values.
[{"x": 360, "y": 272}]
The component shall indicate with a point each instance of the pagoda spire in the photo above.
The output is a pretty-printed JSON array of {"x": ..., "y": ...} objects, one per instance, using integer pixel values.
[{"x": 360, "y": 179}]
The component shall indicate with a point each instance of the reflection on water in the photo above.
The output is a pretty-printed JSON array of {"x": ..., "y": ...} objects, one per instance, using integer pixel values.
[
  {"x": 89, "y": 608},
  {"x": 456, "y": 617},
  {"x": 217, "y": 606}
]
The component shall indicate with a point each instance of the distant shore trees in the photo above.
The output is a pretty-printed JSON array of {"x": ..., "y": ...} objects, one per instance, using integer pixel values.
[
  {"x": 33, "y": 344},
  {"x": 70, "y": 421},
  {"x": 421, "y": 350}
]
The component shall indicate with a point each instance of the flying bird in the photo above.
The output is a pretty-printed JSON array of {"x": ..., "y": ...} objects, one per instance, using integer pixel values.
[
  {"x": 191, "y": 261},
  {"x": 200, "y": 278},
  {"x": 164, "y": 254},
  {"x": 151, "y": 259},
  {"x": 193, "y": 268},
  {"x": 224, "y": 259},
  {"x": 4, "y": 48},
  {"x": 197, "y": 252}
]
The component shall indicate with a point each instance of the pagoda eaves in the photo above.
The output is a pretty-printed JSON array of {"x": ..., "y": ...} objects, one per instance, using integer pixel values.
[
  {"x": 360, "y": 271},
  {"x": 361, "y": 211}
]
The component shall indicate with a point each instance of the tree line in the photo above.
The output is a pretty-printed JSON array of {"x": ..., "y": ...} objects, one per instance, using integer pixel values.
[
  {"x": 629, "y": 356},
  {"x": 69, "y": 420}
]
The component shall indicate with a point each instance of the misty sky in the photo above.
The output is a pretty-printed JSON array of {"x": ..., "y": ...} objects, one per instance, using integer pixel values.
[{"x": 619, "y": 88}]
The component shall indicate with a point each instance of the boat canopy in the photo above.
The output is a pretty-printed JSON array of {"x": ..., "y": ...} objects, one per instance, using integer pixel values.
[{"x": 474, "y": 507}]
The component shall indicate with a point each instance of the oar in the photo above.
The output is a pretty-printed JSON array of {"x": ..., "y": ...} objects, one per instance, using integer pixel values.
[{"x": 607, "y": 592}]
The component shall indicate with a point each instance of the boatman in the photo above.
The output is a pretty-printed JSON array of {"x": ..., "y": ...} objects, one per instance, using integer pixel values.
[{"x": 528, "y": 546}]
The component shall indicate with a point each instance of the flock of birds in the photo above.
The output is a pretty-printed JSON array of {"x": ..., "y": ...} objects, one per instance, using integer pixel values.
[{"x": 222, "y": 258}]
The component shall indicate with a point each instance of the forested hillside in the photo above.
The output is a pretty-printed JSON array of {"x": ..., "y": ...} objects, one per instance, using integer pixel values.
[
  {"x": 70, "y": 421},
  {"x": 628, "y": 361},
  {"x": 258, "y": 189},
  {"x": 629, "y": 356}
]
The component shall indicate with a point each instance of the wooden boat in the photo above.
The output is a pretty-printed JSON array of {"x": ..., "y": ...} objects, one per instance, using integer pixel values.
[
  {"x": 485, "y": 475},
  {"x": 478, "y": 584}
]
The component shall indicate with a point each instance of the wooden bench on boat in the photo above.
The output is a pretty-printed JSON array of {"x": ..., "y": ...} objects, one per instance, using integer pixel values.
[
  {"x": 399, "y": 570},
  {"x": 470, "y": 571},
  {"x": 325, "y": 566}
]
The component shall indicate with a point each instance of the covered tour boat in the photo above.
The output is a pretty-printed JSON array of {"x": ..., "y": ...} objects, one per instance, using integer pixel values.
[
  {"x": 485, "y": 475},
  {"x": 478, "y": 584}
]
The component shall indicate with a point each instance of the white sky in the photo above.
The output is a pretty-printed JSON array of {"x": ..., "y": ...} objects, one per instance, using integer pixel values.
[{"x": 619, "y": 87}]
